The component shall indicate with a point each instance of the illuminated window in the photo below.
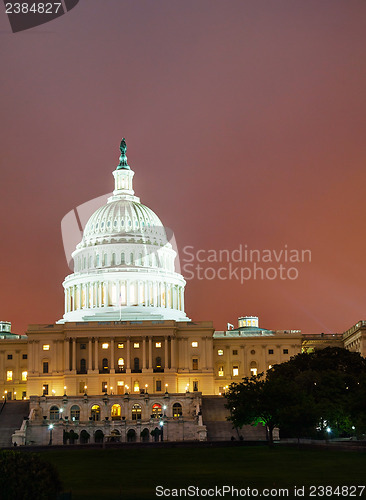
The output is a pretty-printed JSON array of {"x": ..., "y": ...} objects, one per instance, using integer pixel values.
[
  {"x": 105, "y": 346},
  {"x": 220, "y": 352},
  {"x": 157, "y": 344},
  {"x": 194, "y": 344},
  {"x": 235, "y": 371},
  {"x": 116, "y": 412},
  {"x": 9, "y": 376},
  {"x": 136, "y": 387},
  {"x": 120, "y": 383},
  {"x": 156, "y": 411},
  {"x": 121, "y": 363},
  {"x": 121, "y": 345},
  {"x": 136, "y": 345},
  {"x": 24, "y": 376},
  {"x": 136, "y": 412},
  {"x": 177, "y": 410},
  {"x": 45, "y": 389},
  {"x": 269, "y": 367},
  {"x": 253, "y": 368},
  {"x": 221, "y": 371},
  {"x": 95, "y": 412},
  {"x": 46, "y": 347}
]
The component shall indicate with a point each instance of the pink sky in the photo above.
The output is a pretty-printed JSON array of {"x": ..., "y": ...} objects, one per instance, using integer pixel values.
[{"x": 245, "y": 123}]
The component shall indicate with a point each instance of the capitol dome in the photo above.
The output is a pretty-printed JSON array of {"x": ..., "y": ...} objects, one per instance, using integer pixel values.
[{"x": 124, "y": 265}]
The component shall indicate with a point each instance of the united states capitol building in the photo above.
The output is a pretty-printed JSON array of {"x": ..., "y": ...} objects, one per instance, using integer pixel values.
[{"x": 125, "y": 363}]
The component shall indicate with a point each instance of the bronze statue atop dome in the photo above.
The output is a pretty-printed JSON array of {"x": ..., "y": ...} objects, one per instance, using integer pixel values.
[{"x": 123, "y": 158}]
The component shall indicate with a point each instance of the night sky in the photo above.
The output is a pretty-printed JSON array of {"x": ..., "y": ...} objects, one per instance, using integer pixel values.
[{"x": 245, "y": 124}]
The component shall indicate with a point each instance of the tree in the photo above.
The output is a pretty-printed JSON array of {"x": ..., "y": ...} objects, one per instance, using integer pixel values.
[
  {"x": 311, "y": 392},
  {"x": 24, "y": 476}
]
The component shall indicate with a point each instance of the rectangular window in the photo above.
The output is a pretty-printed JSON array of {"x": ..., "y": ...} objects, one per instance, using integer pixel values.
[
  {"x": 45, "y": 389},
  {"x": 104, "y": 386},
  {"x": 82, "y": 346},
  {"x": 24, "y": 376},
  {"x": 235, "y": 371},
  {"x": 45, "y": 366},
  {"x": 105, "y": 345},
  {"x": 9, "y": 376},
  {"x": 194, "y": 364},
  {"x": 121, "y": 345},
  {"x": 158, "y": 386},
  {"x": 285, "y": 351},
  {"x": 235, "y": 352},
  {"x": 270, "y": 351},
  {"x": 194, "y": 344},
  {"x": 157, "y": 344},
  {"x": 136, "y": 345},
  {"x": 220, "y": 352},
  {"x": 10, "y": 356},
  {"x": 195, "y": 385},
  {"x": 254, "y": 371},
  {"x": 24, "y": 395},
  {"x": 46, "y": 347},
  {"x": 221, "y": 371},
  {"x": 81, "y": 387},
  {"x": 25, "y": 356}
]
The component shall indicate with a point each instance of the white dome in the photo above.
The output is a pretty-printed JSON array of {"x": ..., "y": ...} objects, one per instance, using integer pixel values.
[{"x": 124, "y": 264}]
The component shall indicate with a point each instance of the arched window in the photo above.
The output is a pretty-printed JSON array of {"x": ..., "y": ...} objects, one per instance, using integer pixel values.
[
  {"x": 54, "y": 413},
  {"x": 131, "y": 259},
  {"x": 83, "y": 365},
  {"x": 75, "y": 413},
  {"x": 95, "y": 413},
  {"x": 145, "y": 435},
  {"x": 156, "y": 411},
  {"x": 105, "y": 259},
  {"x": 136, "y": 412},
  {"x": 84, "y": 436},
  {"x": 253, "y": 368},
  {"x": 97, "y": 261},
  {"x": 121, "y": 364},
  {"x": 113, "y": 261},
  {"x": 105, "y": 365},
  {"x": 177, "y": 410},
  {"x": 123, "y": 260},
  {"x": 116, "y": 412},
  {"x": 136, "y": 364}
]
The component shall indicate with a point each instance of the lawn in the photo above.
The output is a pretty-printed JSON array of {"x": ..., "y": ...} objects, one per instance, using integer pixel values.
[{"x": 129, "y": 473}]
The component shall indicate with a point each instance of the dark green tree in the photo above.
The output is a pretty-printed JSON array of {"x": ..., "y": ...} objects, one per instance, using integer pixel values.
[{"x": 25, "y": 476}]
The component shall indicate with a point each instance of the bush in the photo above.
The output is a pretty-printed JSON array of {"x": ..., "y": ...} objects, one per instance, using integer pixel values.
[{"x": 24, "y": 476}]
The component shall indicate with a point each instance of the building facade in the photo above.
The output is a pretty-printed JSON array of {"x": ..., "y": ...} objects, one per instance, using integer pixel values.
[{"x": 125, "y": 359}]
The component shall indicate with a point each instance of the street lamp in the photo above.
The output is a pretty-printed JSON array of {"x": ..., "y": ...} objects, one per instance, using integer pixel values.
[
  {"x": 50, "y": 428},
  {"x": 166, "y": 387},
  {"x": 161, "y": 423}
]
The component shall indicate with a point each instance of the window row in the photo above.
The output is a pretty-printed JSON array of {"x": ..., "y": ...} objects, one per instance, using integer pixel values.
[
  {"x": 153, "y": 259},
  {"x": 220, "y": 352},
  {"x": 158, "y": 411}
]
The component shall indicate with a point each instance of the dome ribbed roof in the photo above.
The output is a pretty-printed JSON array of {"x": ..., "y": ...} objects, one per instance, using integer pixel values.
[{"x": 123, "y": 221}]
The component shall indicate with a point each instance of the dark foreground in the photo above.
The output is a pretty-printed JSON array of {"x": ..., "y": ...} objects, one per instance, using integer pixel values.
[{"x": 134, "y": 473}]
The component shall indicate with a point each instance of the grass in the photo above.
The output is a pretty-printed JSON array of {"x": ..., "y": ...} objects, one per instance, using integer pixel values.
[{"x": 128, "y": 473}]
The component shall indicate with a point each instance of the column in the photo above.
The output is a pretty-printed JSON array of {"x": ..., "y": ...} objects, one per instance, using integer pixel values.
[
  {"x": 144, "y": 354},
  {"x": 166, "y": 357},
  {"x": 113, "y": 370},
  {"x": 90, "y": 355},
  {"x": 67, "y": 354},
  {"x": 96, "y": 362},
  {"x": 150, "y": 354},
  {"x": 66, "y": 305},
  {"x": 54, "y": 356},
  {"x": 172, "y": 353},
  {"x": 74, "y": 354},
  {"x": 204, "y": 354},
  {"x": 128, "y": 360},
  {"x": 185, "y": 347}
]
